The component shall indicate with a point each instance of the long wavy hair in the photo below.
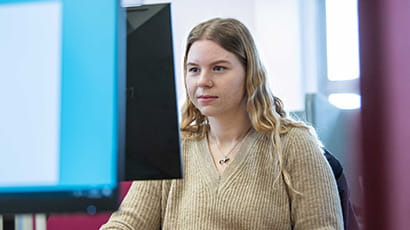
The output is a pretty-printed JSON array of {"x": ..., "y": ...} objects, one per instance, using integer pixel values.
[{"x": 266, "y": 111}]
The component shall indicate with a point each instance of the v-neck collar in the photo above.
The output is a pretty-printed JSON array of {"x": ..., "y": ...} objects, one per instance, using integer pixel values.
[{"x": 208, "y": 167}]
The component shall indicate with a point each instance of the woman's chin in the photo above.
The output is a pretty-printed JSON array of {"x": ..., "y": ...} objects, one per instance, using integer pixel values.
[{"x": 208, "y": 112}]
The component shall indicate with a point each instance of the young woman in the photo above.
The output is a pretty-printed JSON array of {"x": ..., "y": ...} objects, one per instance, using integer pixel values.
[{"x": 246, "y": 165}]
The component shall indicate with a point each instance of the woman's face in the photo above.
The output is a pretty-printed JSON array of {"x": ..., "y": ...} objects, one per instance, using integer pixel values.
[{"x": 215, "y": 80}]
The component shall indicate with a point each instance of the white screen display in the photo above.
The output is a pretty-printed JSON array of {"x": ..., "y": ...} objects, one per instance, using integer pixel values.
[{"x": 30, "y": 89}]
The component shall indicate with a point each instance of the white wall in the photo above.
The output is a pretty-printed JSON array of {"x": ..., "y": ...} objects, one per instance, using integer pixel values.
[
  {"x": 277, "y": 25},
  {"x": 276, "y": 29}
]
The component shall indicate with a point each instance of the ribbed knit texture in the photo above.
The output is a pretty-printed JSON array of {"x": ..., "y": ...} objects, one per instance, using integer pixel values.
[{"x": 245, "y": 196}]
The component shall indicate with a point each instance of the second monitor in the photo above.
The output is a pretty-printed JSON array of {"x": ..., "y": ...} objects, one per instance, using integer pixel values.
[{"x": 152, "y": 130}]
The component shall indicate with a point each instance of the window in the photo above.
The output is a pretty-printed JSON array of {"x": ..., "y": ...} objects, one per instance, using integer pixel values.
[{"x": 342, "y": 53}]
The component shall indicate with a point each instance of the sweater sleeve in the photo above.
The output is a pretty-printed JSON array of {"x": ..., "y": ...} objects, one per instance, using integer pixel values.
[
  {"x": 140, "y": 209},
  {"x": 318, "y": 205}
]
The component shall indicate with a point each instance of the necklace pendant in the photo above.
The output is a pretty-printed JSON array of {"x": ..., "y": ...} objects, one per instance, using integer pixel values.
[{"x": 224, "y": 161}]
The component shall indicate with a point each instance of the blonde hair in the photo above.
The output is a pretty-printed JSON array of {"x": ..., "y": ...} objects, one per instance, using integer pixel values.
[{"x": 266, "y": 111}]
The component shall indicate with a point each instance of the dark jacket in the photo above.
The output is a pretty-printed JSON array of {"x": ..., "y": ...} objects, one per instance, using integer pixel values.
[{"x": 349, "y": 217}]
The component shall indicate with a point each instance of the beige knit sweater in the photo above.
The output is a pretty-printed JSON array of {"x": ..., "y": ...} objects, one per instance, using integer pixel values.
[{"x": 244, "y": 197}]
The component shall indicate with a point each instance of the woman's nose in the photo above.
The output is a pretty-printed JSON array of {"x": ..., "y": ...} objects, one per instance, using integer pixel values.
[{"x": 205, "y": 80}]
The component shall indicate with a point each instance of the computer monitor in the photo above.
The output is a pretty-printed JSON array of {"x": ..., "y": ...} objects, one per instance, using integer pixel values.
[
  {"x": 62, "y": 100},
  {"x": 152, "y": 130}
]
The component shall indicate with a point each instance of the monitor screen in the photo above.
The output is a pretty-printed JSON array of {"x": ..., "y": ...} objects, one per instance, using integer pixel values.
[{"x": 62, "y": 84}]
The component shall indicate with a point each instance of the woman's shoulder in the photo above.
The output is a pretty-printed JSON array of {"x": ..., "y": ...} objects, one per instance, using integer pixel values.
[
  {"x": 289, "y": 134},
  {"x": 300, "y": 133},
  {"x": 303, "y": 140},
  {"x": 190, "y": 140},
  {"x": 187, "y": 136}
]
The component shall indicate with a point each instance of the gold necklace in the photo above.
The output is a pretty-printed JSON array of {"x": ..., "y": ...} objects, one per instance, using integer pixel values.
[{"x": 226, "y": 156}]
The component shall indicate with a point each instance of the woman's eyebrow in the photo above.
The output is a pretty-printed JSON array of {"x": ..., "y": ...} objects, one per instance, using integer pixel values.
[
  {"x": 212, "y": 63},
  {"x": 221, "y": 62}
]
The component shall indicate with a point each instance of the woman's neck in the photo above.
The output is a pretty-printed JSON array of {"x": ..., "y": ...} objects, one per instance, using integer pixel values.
[{"x": 229, "y": 130}]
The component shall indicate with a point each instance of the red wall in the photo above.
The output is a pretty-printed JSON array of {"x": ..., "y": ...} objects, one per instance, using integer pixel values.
[{"x": 385, "y": 89}]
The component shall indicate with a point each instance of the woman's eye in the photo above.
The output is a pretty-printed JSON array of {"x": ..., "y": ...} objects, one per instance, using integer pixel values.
[
  {"x": 193, "y": 70},
  {"x": 219, "y": 68}
]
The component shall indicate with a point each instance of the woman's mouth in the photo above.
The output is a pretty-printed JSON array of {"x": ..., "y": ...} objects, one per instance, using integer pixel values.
[{"x": 207, "y": 98}]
